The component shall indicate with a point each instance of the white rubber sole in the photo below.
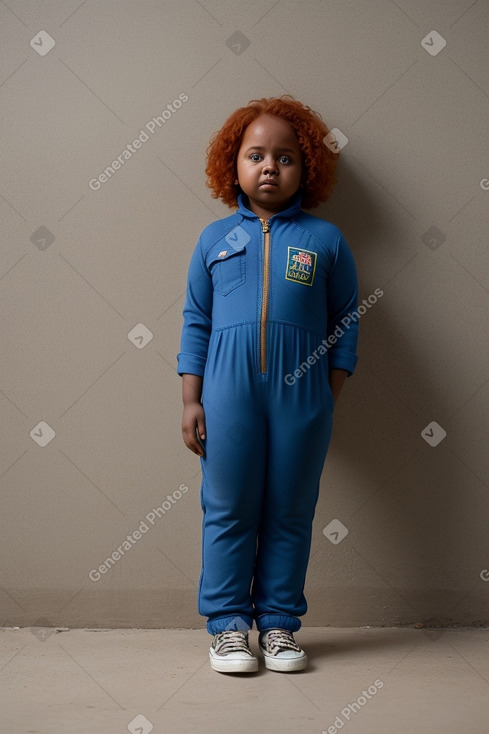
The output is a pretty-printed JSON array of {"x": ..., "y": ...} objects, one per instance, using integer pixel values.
[
  {"x": 233, "y": 665},
  {"x": 284, "y": 665}
]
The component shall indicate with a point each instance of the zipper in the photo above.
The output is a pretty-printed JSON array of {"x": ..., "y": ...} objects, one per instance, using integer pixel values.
[{"x": 265, "y": 295}]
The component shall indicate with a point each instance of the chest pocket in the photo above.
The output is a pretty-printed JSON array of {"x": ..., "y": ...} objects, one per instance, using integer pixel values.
[{"x": 227, "y": 262}]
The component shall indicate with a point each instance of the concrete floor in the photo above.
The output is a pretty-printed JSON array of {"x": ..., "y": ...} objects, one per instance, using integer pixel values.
[{"x": 397, "y": 681}]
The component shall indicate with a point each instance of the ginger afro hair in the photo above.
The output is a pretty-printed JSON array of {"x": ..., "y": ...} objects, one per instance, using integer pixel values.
[{"x": 318, "y": 161}]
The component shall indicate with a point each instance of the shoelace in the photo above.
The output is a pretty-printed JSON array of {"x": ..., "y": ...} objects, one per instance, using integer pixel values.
[
  {"x": 231, "y": 641},
  {"x": 279, "y": 640}
]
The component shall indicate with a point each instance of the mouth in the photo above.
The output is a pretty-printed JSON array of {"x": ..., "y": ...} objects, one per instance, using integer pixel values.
[{"x": 268, "y": 182}]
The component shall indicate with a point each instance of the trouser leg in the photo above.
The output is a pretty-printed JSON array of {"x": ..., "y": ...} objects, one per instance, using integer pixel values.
[
  {"x": 300, "y": 418},
  {"x": 233, "y": 473}
]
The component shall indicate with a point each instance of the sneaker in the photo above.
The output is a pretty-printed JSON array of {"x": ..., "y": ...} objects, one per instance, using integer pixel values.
[
  {"x": 230, "y": 653},
  {"x": 281, "y": 651}
]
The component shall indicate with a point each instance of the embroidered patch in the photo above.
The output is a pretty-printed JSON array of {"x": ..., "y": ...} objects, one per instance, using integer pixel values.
[{"x": 301, "y": 266}]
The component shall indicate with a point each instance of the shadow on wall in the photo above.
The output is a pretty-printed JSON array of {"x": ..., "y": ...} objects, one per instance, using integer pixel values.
[{"x": 405, "y": 544}]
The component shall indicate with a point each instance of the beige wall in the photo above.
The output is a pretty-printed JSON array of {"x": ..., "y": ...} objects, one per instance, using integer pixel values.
[{"x": 114, "y": 259}]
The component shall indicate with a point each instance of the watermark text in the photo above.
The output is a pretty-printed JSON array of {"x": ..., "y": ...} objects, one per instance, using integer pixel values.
[
  {"x": 131, "y": 540},
  {"x": 345, "y": 323}
]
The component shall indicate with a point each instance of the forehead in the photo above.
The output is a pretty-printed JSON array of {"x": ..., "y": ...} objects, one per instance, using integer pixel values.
[{"x": 270, "y": 130}]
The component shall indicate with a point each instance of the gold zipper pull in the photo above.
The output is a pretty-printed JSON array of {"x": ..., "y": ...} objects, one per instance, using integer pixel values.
[{"x": 264, "y": 225}]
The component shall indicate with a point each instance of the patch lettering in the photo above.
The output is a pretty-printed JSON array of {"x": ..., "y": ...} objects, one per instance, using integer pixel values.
[{"x": 301, "y": 265}]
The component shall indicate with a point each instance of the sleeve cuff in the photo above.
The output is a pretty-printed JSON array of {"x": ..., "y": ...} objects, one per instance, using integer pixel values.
[
  {"x": 190, "y": 364},
  {"x": 343, "y": 361}
]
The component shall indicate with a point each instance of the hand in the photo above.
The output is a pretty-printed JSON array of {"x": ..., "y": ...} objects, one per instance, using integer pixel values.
[
  {"x": 193, "y": 424},
  {"x": 336, "y": 380}
]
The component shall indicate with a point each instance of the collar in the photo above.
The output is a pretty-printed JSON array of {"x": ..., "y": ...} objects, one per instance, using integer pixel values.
[{"x": 293, "y": 209}]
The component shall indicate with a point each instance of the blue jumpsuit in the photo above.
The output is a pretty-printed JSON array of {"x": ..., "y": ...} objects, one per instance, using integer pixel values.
[{"x": 270, "y": 308}]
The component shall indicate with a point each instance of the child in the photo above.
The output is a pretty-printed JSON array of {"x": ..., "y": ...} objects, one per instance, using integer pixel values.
[{"x": 263, "y": 359}]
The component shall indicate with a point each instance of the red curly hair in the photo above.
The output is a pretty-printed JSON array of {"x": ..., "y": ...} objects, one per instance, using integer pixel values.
[{"x": 318, "y": 161}]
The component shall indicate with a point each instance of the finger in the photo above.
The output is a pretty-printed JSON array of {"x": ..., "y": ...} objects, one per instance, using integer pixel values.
[
  {"x": 201, "y": 427},
  {"x": 198, "y": 441},
  {"x": 191, "y": 442},
  {"x": 197, "y": 448}
]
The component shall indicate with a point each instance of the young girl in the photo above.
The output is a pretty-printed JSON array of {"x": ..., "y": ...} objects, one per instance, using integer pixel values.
[{"x": 264, "y": 354}]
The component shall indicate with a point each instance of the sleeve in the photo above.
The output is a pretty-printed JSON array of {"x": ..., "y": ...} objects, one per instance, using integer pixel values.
[
  {"x": 197, "y": 319},
  {"x": 342, "y": 309}
]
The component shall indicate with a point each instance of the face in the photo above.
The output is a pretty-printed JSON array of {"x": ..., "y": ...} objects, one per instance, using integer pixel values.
[{"x": 269, "y": 165}]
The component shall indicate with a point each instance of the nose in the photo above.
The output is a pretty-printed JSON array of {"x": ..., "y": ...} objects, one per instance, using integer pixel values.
[{"x": 270, "y": 167}]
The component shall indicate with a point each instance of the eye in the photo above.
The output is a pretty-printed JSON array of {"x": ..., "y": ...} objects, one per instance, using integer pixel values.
[
  {"x": 255, "y": 157},
  {"x": 285, "y": 159}
]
